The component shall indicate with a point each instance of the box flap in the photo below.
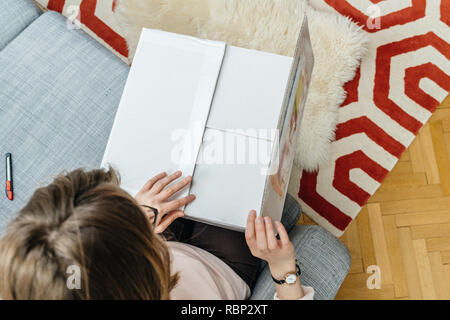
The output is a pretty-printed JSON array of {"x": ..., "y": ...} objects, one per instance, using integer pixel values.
[{"x": 164, "y": 108}]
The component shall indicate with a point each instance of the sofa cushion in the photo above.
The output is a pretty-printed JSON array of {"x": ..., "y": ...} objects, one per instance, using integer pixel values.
[
  {"x": 15, "y": 15},
  {"x": 96, "y": 18},
  {"x": 60, "y": 92}
]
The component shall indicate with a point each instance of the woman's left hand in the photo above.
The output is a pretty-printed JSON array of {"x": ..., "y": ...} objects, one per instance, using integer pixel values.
[{"x": 155, "y": 194}]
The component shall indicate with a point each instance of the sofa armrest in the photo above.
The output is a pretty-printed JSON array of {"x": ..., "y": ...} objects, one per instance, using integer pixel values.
[
  {"x": 15, "y": 16},
  {"x": 60, "y": 90}
]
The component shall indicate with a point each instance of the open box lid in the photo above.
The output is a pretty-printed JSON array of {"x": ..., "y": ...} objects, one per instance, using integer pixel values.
[
  {"x": 182, "y": 90},
  {"x": 289, "y": 123}
]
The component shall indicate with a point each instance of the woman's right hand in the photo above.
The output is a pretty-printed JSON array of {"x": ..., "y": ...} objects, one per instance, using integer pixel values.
[
  {"x": 263, "y": 244},
  {"x": 279, "y": 253}
]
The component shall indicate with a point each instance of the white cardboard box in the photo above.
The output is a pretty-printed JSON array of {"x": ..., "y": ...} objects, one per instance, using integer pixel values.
[{"x": 228, "y": 116}]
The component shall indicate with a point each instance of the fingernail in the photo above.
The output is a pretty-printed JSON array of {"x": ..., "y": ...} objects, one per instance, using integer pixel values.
[
  {"x": 259, "y": 220},
  {"x": 252, "y": 213},
  {"x": 267, "y": 220},
  {"x": 178, "y": 173},
  {"x": 189, "y": 178}
]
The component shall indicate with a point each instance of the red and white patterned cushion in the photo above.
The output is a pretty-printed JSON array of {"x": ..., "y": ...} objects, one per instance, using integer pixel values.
[{"x": 97, "y": 18}]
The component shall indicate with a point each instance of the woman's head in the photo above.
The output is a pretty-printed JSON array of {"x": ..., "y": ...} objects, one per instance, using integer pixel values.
[{"x": 83, "y": 222}]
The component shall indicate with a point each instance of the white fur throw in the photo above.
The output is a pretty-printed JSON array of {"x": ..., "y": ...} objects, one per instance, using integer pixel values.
[{"x": 271, "y": 26}]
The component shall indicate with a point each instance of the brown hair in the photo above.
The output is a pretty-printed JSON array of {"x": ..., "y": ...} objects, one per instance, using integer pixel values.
[{"x": 83, "y": 219}]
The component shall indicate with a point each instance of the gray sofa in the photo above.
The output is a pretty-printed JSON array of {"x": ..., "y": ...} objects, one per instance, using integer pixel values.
[{"x": 59, "y": 91}]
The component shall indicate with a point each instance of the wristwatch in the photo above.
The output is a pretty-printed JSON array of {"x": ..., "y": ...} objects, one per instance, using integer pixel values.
[{"x": 290, "y": 277}]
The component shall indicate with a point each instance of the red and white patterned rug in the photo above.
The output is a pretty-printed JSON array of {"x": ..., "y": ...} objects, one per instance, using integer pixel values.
[{"x": 402, "y": 79}]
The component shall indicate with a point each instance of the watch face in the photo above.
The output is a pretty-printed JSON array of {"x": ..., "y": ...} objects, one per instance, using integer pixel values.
[{"x": 290, "y": 279}]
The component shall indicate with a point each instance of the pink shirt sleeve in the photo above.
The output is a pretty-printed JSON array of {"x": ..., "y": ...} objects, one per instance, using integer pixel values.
[
  {"x": 308, "y": 291},
  {"x": 203, "y": 276}
]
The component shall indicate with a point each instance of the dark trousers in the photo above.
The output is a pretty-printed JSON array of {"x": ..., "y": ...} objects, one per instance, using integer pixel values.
[{"x": 228, "y": 245}]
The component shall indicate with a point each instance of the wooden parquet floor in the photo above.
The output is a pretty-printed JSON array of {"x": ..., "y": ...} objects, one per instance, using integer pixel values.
[{"x": 405, "y": 227}]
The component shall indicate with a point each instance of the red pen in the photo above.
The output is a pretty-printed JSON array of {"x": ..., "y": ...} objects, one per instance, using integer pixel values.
[{"x": 9, "y": 179}]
